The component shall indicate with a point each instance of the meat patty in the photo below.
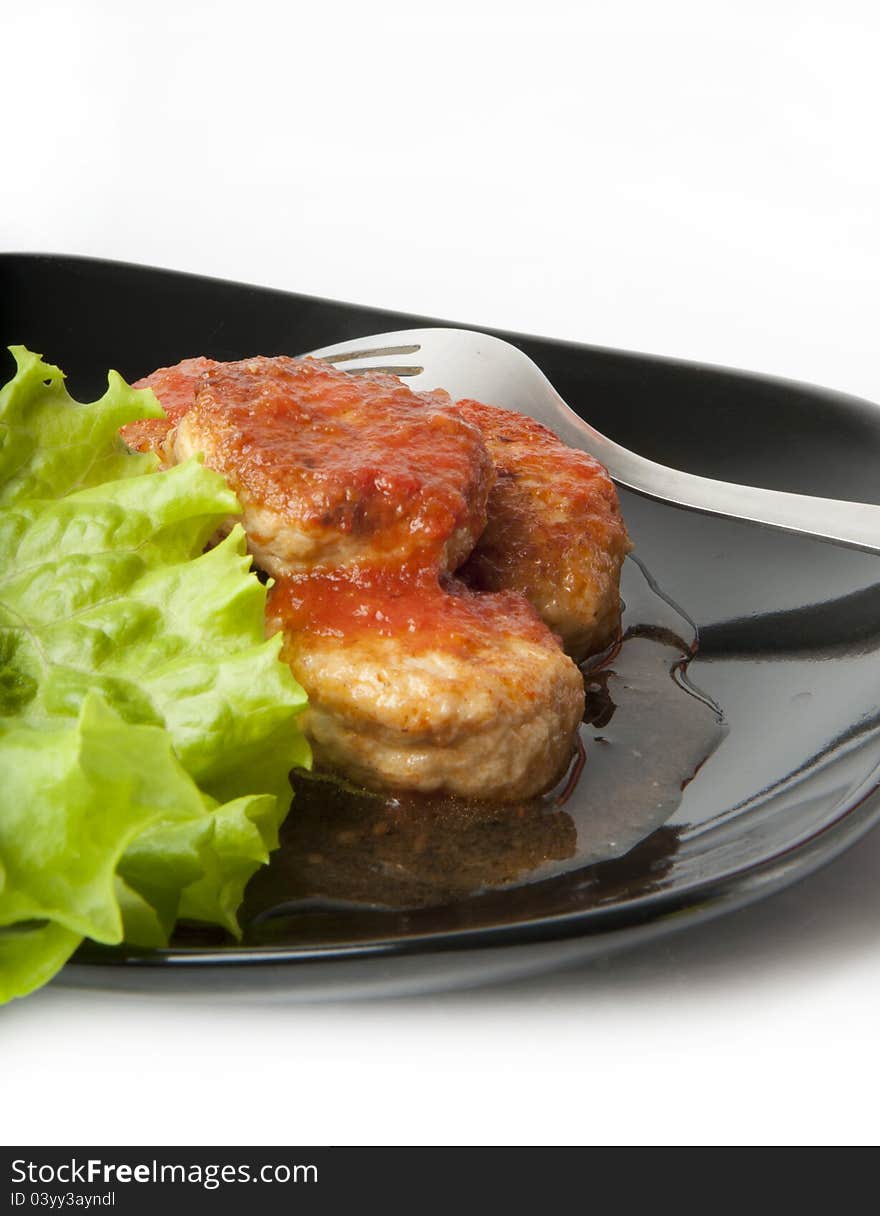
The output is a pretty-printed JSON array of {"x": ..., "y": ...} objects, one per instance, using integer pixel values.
[
  {"x": 421, "y": 686},
  {"x": 363, "y": 498},
  {"x": 554, "y": 530},
  {"x": 335, "y": 470}
]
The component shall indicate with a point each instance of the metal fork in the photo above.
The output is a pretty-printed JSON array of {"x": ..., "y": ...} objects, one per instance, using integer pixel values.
[{"x": 488, "y": 369}]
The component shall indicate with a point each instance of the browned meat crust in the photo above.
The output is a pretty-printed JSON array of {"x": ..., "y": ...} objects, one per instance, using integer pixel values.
[{"x": 554, "y": 530}]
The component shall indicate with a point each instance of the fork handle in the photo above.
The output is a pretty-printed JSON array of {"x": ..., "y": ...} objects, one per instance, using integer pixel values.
[{"x": 853, "y": 524}]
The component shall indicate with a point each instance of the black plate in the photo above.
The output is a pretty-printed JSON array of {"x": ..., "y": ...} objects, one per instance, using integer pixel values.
[{"x": 709, "y": 815}]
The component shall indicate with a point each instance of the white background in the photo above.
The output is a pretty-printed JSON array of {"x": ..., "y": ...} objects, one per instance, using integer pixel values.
[{"x": 690, "y": 179}]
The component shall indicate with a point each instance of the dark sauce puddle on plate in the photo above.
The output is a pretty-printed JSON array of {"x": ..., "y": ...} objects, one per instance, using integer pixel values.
[{"x": 354, "y": 865}]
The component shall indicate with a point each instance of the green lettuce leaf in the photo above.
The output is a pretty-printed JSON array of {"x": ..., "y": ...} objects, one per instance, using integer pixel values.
[
  {"x": 30, "y": 954},
  {"x": 51, "y": 445},
  {"x": 147, "y": 728}
]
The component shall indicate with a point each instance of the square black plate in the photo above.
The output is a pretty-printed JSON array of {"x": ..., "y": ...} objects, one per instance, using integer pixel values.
[{"x": 789, "y": 649}]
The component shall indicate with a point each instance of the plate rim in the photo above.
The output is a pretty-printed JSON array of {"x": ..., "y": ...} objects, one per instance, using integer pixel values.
[{"x": 840, "y": 396}]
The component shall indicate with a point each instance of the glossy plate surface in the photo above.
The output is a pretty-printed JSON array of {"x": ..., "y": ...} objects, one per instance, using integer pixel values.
[{"x": 711, "y": 779}]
